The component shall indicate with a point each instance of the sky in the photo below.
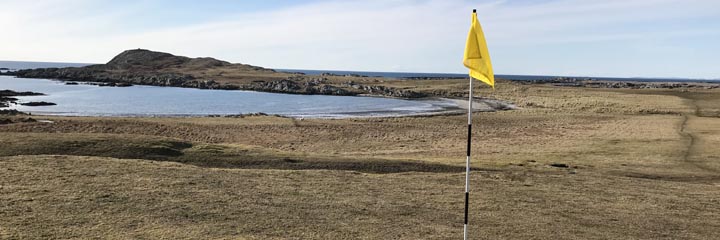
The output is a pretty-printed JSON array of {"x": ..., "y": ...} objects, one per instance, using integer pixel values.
[{"x": 609, "y": 38}]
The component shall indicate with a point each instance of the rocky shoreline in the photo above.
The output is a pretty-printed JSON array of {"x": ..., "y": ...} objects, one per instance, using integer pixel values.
[
  {"x": 144, "y": 67},
  {"x": 8, "y": 96},
  {"x": 299, "y": 84},
  {"x": 306, "y": 84}
]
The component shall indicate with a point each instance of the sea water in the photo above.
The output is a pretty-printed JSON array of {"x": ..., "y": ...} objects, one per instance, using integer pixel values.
[{"x": 92, "y": 100}]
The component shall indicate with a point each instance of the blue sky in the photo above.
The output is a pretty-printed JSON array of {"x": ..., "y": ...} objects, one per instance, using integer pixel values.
[{"x": 615, "y": 38}]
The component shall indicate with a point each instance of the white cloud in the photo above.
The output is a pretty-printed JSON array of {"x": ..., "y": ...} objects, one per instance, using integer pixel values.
[{"x": 422, "y": 36}]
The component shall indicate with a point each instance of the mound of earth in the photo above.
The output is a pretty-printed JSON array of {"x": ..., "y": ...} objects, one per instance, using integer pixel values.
[{"x": 146, "y": 60}]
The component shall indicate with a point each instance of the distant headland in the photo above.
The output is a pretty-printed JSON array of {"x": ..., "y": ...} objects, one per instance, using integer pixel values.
[{"x": 145, "y": 67}]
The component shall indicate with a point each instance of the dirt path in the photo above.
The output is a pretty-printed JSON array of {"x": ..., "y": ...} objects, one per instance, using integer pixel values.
[
  {"x": 694, "y": 151},
  {"x": 697, "y": 160},
  {"x": 685, "y": 132}
]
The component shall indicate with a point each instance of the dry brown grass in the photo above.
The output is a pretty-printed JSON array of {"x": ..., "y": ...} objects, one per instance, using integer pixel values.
[
  {"x": 643, "y": 165},
  {"x": 88, "y": 197}
]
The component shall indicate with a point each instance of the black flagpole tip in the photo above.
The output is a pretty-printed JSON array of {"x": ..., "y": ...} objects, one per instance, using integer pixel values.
[{"x": 474, "y": 11}]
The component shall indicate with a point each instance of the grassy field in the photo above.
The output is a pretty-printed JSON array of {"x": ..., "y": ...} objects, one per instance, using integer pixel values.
[{"x": 642, "y": 164}]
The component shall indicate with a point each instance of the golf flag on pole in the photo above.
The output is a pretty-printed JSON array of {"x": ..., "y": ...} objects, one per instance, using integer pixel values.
[{"x": 477, "y": 57}]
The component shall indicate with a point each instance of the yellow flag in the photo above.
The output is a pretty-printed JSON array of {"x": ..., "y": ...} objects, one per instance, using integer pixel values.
[{"x": 477, "y": 57}]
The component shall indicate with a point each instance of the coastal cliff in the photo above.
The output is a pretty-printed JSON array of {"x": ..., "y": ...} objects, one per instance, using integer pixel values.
[{"x": 145, "y": 67}]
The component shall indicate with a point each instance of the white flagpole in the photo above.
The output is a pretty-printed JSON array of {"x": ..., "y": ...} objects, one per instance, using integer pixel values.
[{"x": 467, "y": 161}]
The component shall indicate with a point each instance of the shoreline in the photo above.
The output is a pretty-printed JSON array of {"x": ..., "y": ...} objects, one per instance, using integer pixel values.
[
  {"x": 460, "y": 107},
  {"x": 350, "y": 85},
  {"x": 437, "y": 106}
]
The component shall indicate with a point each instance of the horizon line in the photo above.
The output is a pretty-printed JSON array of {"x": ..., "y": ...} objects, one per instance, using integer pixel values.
[{"x": 368, "y": 71}]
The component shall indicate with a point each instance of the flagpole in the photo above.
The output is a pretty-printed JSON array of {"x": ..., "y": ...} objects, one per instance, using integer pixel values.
[
  {"x": 467, "y": 160},
  {"x": 477, "y": 59}
]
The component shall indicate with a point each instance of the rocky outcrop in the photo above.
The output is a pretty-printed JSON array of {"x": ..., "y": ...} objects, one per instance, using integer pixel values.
[
  {"x": 299, "y": 86},
  {"x": 326, "y": 74},
  {"x": 98, "y": 73},
  {"x": 385, "y": 91},
  {"x": 330, "y": 90},
  {"x": 6, "y": 71},
  {"x": 7, "y": 96},
  {"x": 277, "y": 86},
  {"x": 35, "y": 104},
  {"x": 112, "y": 84},
  {"x": 11, "y": 93}
]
